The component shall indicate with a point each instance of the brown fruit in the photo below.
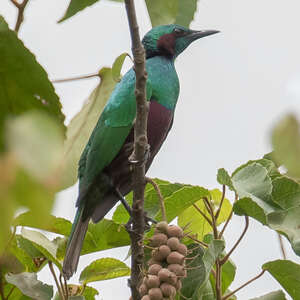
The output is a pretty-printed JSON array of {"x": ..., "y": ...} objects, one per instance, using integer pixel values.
[
  {"x": 168, "y": 290},
  {"x": 161, "y": 253},
  {"x": 152, "y": 261},
  {"x": 178, "y": 285},
  {"x": 166, "y": 275},
  {"x": 162, "y": 226},
  {"x": 173, "y": 243},
  {"x": 175, "y": 231},
  {"x": 158, "y": 239},
  {"x": 152, "y": 281},
  {"x": 182, "y": 248},
  {"x": 177, "y": 269},
  {"x": 146, "y": 297},
  {"x": 143, "y": 290},
  {"x": 175, "y": 258},
  {"x": 155, "y": 294},
  {"x": 154, "y": 269}
]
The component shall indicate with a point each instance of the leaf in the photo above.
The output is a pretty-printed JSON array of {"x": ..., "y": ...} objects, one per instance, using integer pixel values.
[
  {"x": 287, "y": 273},
  {"x": 151, "y": 204},
  {"x": 171, "y": 11},
  {"x": 286, "y": 144},
  {"x": 195, "y": 284},
  {"x": 82, "y": 124},
  {"x": 103, "y": 269},
  {"x": 24, "y": 83},
  {"x": 224, "y": 178},
  {"x": 19, "y": 190},
  {"x": 288, "y": 223},
  {"x": 42, "y": 244},
  {"x": 90, "y": 293},
  {"x": 196, "y": 223},
  {"x": 286, "y": 192},
  {"x": 76, "y": 6},
  {"x": 117, "y": 66},
  {"x": 277, "y": 295},
  {"x": 38, "y": 153},
  {"x": 30, "y": 286},
  {"x": 54, "y": 224},
  {"x": 14, "y": 292}
]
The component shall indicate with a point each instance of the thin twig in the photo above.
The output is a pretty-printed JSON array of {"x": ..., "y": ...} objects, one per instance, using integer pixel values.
[
  {"x": 80, "y": 77},
  {"x": 196, "y": 240},
  {"x": 229, "y": 218},
  {"x": 245, "y": 284},
  {"x": 226, "y": 224},
  {"x": 281, "y": 244},
  {"x": 10, "y": 292},
  {"x": 59, "y": 288},
  {"x": 203, "y": 214},
  {"x": 221, "y": 202},
  {"x": 141, "y": 147},
  {"x": 160, "y": 197},
  {"x": 225, "y": 258},
  {"x": 63, "y": 286},
  {"x": 21, "y": 8},
  {"x": 218, "y": 280},
  {"x": 211, "y": 212}
]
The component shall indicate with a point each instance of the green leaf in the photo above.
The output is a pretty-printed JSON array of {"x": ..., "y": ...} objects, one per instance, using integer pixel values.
[
  {"x": 45, "y": 246},
  {"x": 277, "y": 295},
  {"x": 171, "y": 11},
  {"x": 197, "y": 224},
  {"x": 24, "y": 83},
  {"x": 151, "y": 204},
  {"x": 286, "y": 192},
  {"x": 14, "y": 292},
  {"x": 248, "y": 207},
  {"x": 103, "y": 269},
  {"x": 76, "y": 6},
  {"x": 90, "y": 293},
  {"x": 224, "y": 178},
  {"x": 286, "y": 144},
  {"x": 30, "y": 286},
  {"x": 82, "y": 125},
  {"x": 194, "y": 286},
  {"x": 288, "y": 223},
  {"x": 117, "y": 66},
  {"x": 54, "y": 224},
  {"x": 38, "y": 153},
  {"x": 287, "y": 273}
]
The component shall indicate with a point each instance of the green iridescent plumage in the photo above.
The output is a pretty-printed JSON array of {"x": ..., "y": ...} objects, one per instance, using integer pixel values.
[{"x": 104, "y": 171}]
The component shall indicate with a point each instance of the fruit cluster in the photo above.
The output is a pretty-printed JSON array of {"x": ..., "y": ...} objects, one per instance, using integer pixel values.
[{"x": 167, "y": 264}]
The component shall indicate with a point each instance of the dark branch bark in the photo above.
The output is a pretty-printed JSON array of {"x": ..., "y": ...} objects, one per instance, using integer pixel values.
[
  {"x": 140, "y": 149},
  {"x": 21, "y": 8}
]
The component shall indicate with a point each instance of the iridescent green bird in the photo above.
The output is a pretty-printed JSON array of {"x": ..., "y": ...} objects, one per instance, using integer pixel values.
[{"x": 105, "y": 173}]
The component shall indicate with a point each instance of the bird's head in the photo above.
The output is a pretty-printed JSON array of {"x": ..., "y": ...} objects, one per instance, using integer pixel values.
[{"x": 171, "y": 40}]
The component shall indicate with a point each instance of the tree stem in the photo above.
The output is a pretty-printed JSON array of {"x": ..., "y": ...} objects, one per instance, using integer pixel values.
[
  {"x": 245, "y": 284},
  {"x": 21, "y": 8},
  {"x": 140, "y": 148},
  {"x": 80, "y": 77},
  {"x": 59, "y": 288}
]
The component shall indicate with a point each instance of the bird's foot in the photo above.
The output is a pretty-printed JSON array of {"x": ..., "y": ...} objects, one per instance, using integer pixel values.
[
  {"x": 147, "y": 221},
  {"x": 132, "y": 158}
]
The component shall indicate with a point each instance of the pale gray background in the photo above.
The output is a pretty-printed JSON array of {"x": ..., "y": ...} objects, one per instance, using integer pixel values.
[{"x": 234, "y": 88}]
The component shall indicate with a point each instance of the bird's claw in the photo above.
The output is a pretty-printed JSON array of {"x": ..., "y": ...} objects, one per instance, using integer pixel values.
[{"x": 132, "y": 159}]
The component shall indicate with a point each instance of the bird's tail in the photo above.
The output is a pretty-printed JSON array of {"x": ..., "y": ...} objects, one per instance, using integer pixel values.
[{"x": 75, "y": 242}]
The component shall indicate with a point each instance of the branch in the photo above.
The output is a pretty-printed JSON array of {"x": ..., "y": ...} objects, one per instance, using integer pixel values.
[
  {"x": 160, "y": 197},
  {"x": 139, "y": 153},
  {"x": 245, "y": 284},
  {"x": 21, "y": 8},
  {"x": 221, "y": 202},
  {"x": 75, "y": 78},
  {"x": 225, "y": 258},
  {"x": 59, "y": 288},
  {"x": 281, "y": 244},
  {"x": 203, "y": 215}
]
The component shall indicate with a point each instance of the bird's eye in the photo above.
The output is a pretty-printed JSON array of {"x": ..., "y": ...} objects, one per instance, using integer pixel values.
[{"x": 178, "y": 31}]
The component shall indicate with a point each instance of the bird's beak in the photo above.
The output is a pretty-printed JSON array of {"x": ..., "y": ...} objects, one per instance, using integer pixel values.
[{"x": 195, "y": 34}]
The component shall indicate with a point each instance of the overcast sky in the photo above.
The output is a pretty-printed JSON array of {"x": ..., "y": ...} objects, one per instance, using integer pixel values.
[{"x": 234, "y": 87}]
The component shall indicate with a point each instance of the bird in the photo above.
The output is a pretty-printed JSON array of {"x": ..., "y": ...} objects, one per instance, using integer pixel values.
[{"x": 104, "y": 169}]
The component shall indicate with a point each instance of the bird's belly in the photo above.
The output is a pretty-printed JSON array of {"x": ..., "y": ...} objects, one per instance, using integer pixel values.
[{"x": 159, "y": 123}]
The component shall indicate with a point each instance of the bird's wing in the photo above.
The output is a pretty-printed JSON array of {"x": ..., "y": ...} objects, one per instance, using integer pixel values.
[{"x": 110, "y": 132}]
